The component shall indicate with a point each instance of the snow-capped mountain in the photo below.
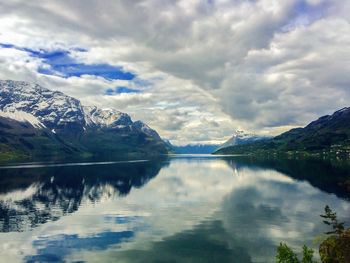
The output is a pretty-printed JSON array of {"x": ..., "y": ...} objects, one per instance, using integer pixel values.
[
  {"x": 240, "y": 137},
  {"x": 53, "y": 109},
  {"x": 139, "y": 125},
  {"x": 26, "y": 102},
  {"x": 22, "y": 116},
  {"x": 327, "y": 136},
  {"x": 95, "y": 117},
  {"x": 36, "y": 122}
]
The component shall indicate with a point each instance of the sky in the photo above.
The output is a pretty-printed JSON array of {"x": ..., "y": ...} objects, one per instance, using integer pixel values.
[{"x": 195, "y": 71}]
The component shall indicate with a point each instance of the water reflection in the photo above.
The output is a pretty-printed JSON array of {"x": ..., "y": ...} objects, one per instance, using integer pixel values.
[
  {"x": 208, "y": 242},
  {"x": 331, "y": 176},
  {"x": 193, "y": 210},
  {"x": 30, "y": 197},
  {"x": 56, "y": 249}
]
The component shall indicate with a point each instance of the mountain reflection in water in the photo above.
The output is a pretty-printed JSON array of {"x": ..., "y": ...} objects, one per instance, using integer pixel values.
[
  {"x": 30, "y": 197},
  {"x": 188, "y": 209}
]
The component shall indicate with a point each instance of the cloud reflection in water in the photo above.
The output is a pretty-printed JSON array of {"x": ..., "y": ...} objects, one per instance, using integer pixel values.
[{"x": 193, "y": 210}]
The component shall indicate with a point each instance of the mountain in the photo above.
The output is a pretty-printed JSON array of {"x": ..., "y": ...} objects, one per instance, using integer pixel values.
[
  {"x": 193, "y": 148},
  {"x": 105, "y": 118},
  {"x": 53, "y": 109},
  {"x": 329, "y": 134},
  {"x": 37, "y": 123},
  {"x": 139, "y": 125},
  {"x": 240, "y": 137}
]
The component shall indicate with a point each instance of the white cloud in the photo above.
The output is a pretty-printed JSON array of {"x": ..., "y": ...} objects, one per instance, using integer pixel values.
[{"x": 212, "y": 66}]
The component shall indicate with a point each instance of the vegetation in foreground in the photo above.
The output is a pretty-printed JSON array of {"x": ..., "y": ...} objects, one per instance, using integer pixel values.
[{"x": 334, "y": 249}]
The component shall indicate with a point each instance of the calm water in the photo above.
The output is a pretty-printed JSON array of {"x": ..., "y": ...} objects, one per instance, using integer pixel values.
[{"x": 183, "y": 209}]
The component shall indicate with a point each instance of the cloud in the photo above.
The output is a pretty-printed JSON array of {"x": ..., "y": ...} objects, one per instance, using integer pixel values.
[{"x": 263, "y": 66}]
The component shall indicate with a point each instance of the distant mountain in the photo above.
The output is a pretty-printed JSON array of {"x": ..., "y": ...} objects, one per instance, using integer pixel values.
[
  {"x": 240, "y": 137},
  {"x": 193, "y": 148},
  {"x": 37, "y": 123},
  {"x": 329, "y": 134}
]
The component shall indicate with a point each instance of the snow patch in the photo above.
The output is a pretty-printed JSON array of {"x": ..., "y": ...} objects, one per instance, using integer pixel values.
[
  {"x": 343, "y": 110},
  {"x": 105, "y": 117},
  {"x": 22, "y": 116},
  {"x": 240, "y": 137}
]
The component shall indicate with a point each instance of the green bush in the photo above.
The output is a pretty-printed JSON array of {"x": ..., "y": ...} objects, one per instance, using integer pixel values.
[
  {"x": 335, "y": 249},
  {"x": 286, "y": 255}
]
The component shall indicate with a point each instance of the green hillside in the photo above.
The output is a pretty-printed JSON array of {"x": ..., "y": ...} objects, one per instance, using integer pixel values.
[
  {"x": 22, "y": 142},
  {"x": 329, "y": 135}
]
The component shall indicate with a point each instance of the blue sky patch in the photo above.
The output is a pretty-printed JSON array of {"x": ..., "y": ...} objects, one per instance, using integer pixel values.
[
  {"x": 62, "y": 64},
  {"x": 305, "y": 14},
  {"x": 120, "y": 90}
]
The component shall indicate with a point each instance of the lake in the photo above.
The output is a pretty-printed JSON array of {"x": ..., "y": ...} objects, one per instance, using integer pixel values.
[{"x": 179, "y": 209}]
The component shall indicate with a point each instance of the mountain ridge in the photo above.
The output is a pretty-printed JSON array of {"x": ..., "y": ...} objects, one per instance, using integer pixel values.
[
  {"x": 42, "y": 117},
  {"x": 240, "y": 137},
  {"x": 192, "y": 148},
  {"x": 328, "y": 135}
]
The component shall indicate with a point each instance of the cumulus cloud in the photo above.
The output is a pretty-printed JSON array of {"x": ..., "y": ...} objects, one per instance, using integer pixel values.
[{"x": 204, "y": 68}]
